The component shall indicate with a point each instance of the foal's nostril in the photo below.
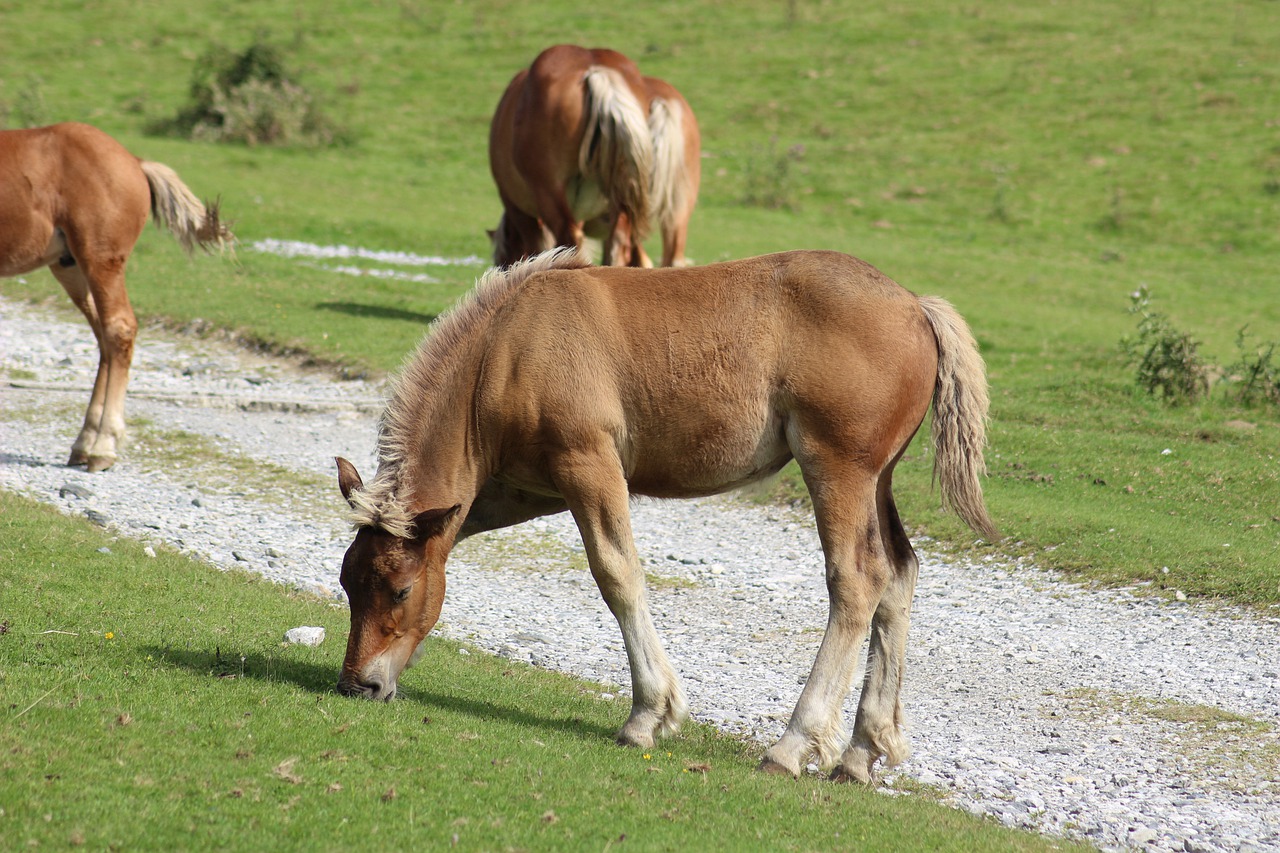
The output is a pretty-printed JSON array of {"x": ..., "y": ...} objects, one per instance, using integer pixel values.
[{"x": 356, "y": 688}]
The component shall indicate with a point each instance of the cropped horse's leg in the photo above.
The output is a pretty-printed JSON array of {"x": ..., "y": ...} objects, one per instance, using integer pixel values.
[
  {"x": 857, "y": 571},
  {"x": 593, "y": 485},
  {"x": 77, "y": 287},
  {"x": 877, "y": 732},
  {"x": 99, "y": 293}
]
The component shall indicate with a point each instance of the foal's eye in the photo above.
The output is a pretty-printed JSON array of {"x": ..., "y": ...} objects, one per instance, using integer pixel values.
[{"x": 400, "y": 596}]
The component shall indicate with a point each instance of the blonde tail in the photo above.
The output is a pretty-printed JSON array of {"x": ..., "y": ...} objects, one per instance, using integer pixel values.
[
  {"x": 960, "y": 404},
  {"x": 670, "y": 182},
  {"x": 177, "y": 210},
  {"x": 616, "y": 149}
]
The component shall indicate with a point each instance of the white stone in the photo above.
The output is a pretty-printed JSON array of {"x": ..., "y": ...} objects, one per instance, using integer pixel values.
[{"x": 305, "y": 636}]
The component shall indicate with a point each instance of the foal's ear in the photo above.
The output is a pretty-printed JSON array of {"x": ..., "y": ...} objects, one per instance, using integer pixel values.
[
  {"x": 429, "y": 523},
  {"x": 348, "y": 478}
]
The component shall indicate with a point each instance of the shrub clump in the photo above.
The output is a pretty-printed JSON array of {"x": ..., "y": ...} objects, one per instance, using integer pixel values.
[
  {"x": 250, "y": 98},
  {"x": 1168, "y": 360},
  {"x": 1255, "y": 377}
]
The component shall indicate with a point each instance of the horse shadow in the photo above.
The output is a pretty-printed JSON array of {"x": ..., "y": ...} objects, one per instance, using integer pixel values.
[
  {"x": 379, "y": 312},
  {"x": 321, "y": 680},
  {"x": 27, "y": 461}
]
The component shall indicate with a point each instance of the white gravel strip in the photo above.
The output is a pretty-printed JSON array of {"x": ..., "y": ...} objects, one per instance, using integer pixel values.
[
  {"x": 1040, "y": 703},
  {"x": 299, "y": 249}
]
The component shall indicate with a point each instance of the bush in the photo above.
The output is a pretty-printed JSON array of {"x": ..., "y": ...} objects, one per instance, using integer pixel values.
[
  {"x": 1255, "y": 377},
  {"x": 252, "y": 99},
  {"x": 770, "y": 182},
  {"x": 1168, "y": 361}
]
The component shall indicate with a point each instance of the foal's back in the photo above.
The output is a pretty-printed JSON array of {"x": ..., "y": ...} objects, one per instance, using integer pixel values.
[{"x": 706, "y": 378}]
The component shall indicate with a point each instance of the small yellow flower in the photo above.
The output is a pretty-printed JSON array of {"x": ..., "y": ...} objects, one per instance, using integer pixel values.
[
  {"x": 647, "y": 756},
  {"x": 110, "y": 635}
]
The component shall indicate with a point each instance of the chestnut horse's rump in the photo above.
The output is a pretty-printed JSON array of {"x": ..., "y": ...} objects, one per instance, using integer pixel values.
[
  {"x": 562, "y": 386},
  {"x": 582, "y": 144}
]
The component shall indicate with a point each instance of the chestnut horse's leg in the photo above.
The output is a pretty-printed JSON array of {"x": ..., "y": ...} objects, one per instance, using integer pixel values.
[
  {"x": 101, "y": 297},
  {"x": 554, "y": 213},
  {"x": 877, "y": 731},
  {"x": 620, "y": 248},
  {"x": 857, "y": 570},
  {"x": 593, "y": 485},
  {"x": 674, "y": 237},
  {"x": 519, "y": 236}
]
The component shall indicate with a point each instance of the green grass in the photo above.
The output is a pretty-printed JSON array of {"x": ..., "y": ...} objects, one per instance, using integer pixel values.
[
  {"x": 1034, "y": 164},
  {"x": 148, "y": 702}
]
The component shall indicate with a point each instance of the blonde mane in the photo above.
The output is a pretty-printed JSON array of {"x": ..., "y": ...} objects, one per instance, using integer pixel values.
[{"x": 421, "y": 388}]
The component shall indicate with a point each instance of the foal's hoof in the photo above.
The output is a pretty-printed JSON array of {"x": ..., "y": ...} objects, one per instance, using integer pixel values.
[
  {"x": 842, "y": 774},
  {"x": 773, "y": 768},
  {"x": 633, "y": 737},
  {"x": 100, "y": 463}
]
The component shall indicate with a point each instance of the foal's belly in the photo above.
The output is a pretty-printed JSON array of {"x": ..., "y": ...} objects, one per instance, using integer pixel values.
[{"x": 706, "y": 462}]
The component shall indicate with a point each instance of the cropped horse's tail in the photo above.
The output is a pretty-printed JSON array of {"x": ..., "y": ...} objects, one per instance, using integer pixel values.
[
  {"x": 960, "y": 405},
  {"x": 178, "y": 211},
  {"x": 671, "y": 184},
  {"x": 616, "y": 149}
]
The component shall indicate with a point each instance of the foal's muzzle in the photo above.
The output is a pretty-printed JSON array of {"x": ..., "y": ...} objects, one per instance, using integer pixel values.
[{"x": 366, "y": 689}]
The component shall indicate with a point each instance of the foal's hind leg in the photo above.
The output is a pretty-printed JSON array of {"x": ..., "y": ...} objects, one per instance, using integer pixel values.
[
  {"x": 877, "y": 731},
  {"x": 857, "y": 571},
  {"x": 593, "y": 485},
  {"x": 111, "y": 317}
]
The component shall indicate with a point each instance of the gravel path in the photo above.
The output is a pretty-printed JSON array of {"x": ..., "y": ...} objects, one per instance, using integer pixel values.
[{"x": 1124, "y": 720}]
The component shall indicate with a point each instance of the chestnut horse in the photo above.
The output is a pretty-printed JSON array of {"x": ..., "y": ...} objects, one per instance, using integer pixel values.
[
  {"x": 75, "y": 200},
  {"x": 581, "y": 144},
  {"x": 557, "y": 385}
]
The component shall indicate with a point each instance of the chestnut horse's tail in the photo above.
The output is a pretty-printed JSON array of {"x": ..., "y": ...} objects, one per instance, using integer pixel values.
[
  {"x": 960, "y": 404},
  {"x": 178, "y": 211},
  {"x": 671, "y": 183},
  {"x": 617, "y": 151}
]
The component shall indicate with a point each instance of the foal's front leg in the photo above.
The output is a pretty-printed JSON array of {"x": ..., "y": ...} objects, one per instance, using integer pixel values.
[{"x": 597, "y": 495}]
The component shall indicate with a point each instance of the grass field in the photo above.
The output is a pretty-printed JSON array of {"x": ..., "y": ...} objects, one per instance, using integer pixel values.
[
  {"x": 1035, "y": 164},
  {"x": 149, "y": 703}
]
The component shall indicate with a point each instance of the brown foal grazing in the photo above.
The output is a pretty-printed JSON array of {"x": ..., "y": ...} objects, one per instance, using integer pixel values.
[
  {"x": 581, "y": 144},
  {"x": 556, "y": 385},
  {"x": 75, "y": 200}
]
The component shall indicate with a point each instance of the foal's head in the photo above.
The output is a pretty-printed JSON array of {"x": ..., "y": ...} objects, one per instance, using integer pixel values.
[{"x": 395, "y": 585}]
